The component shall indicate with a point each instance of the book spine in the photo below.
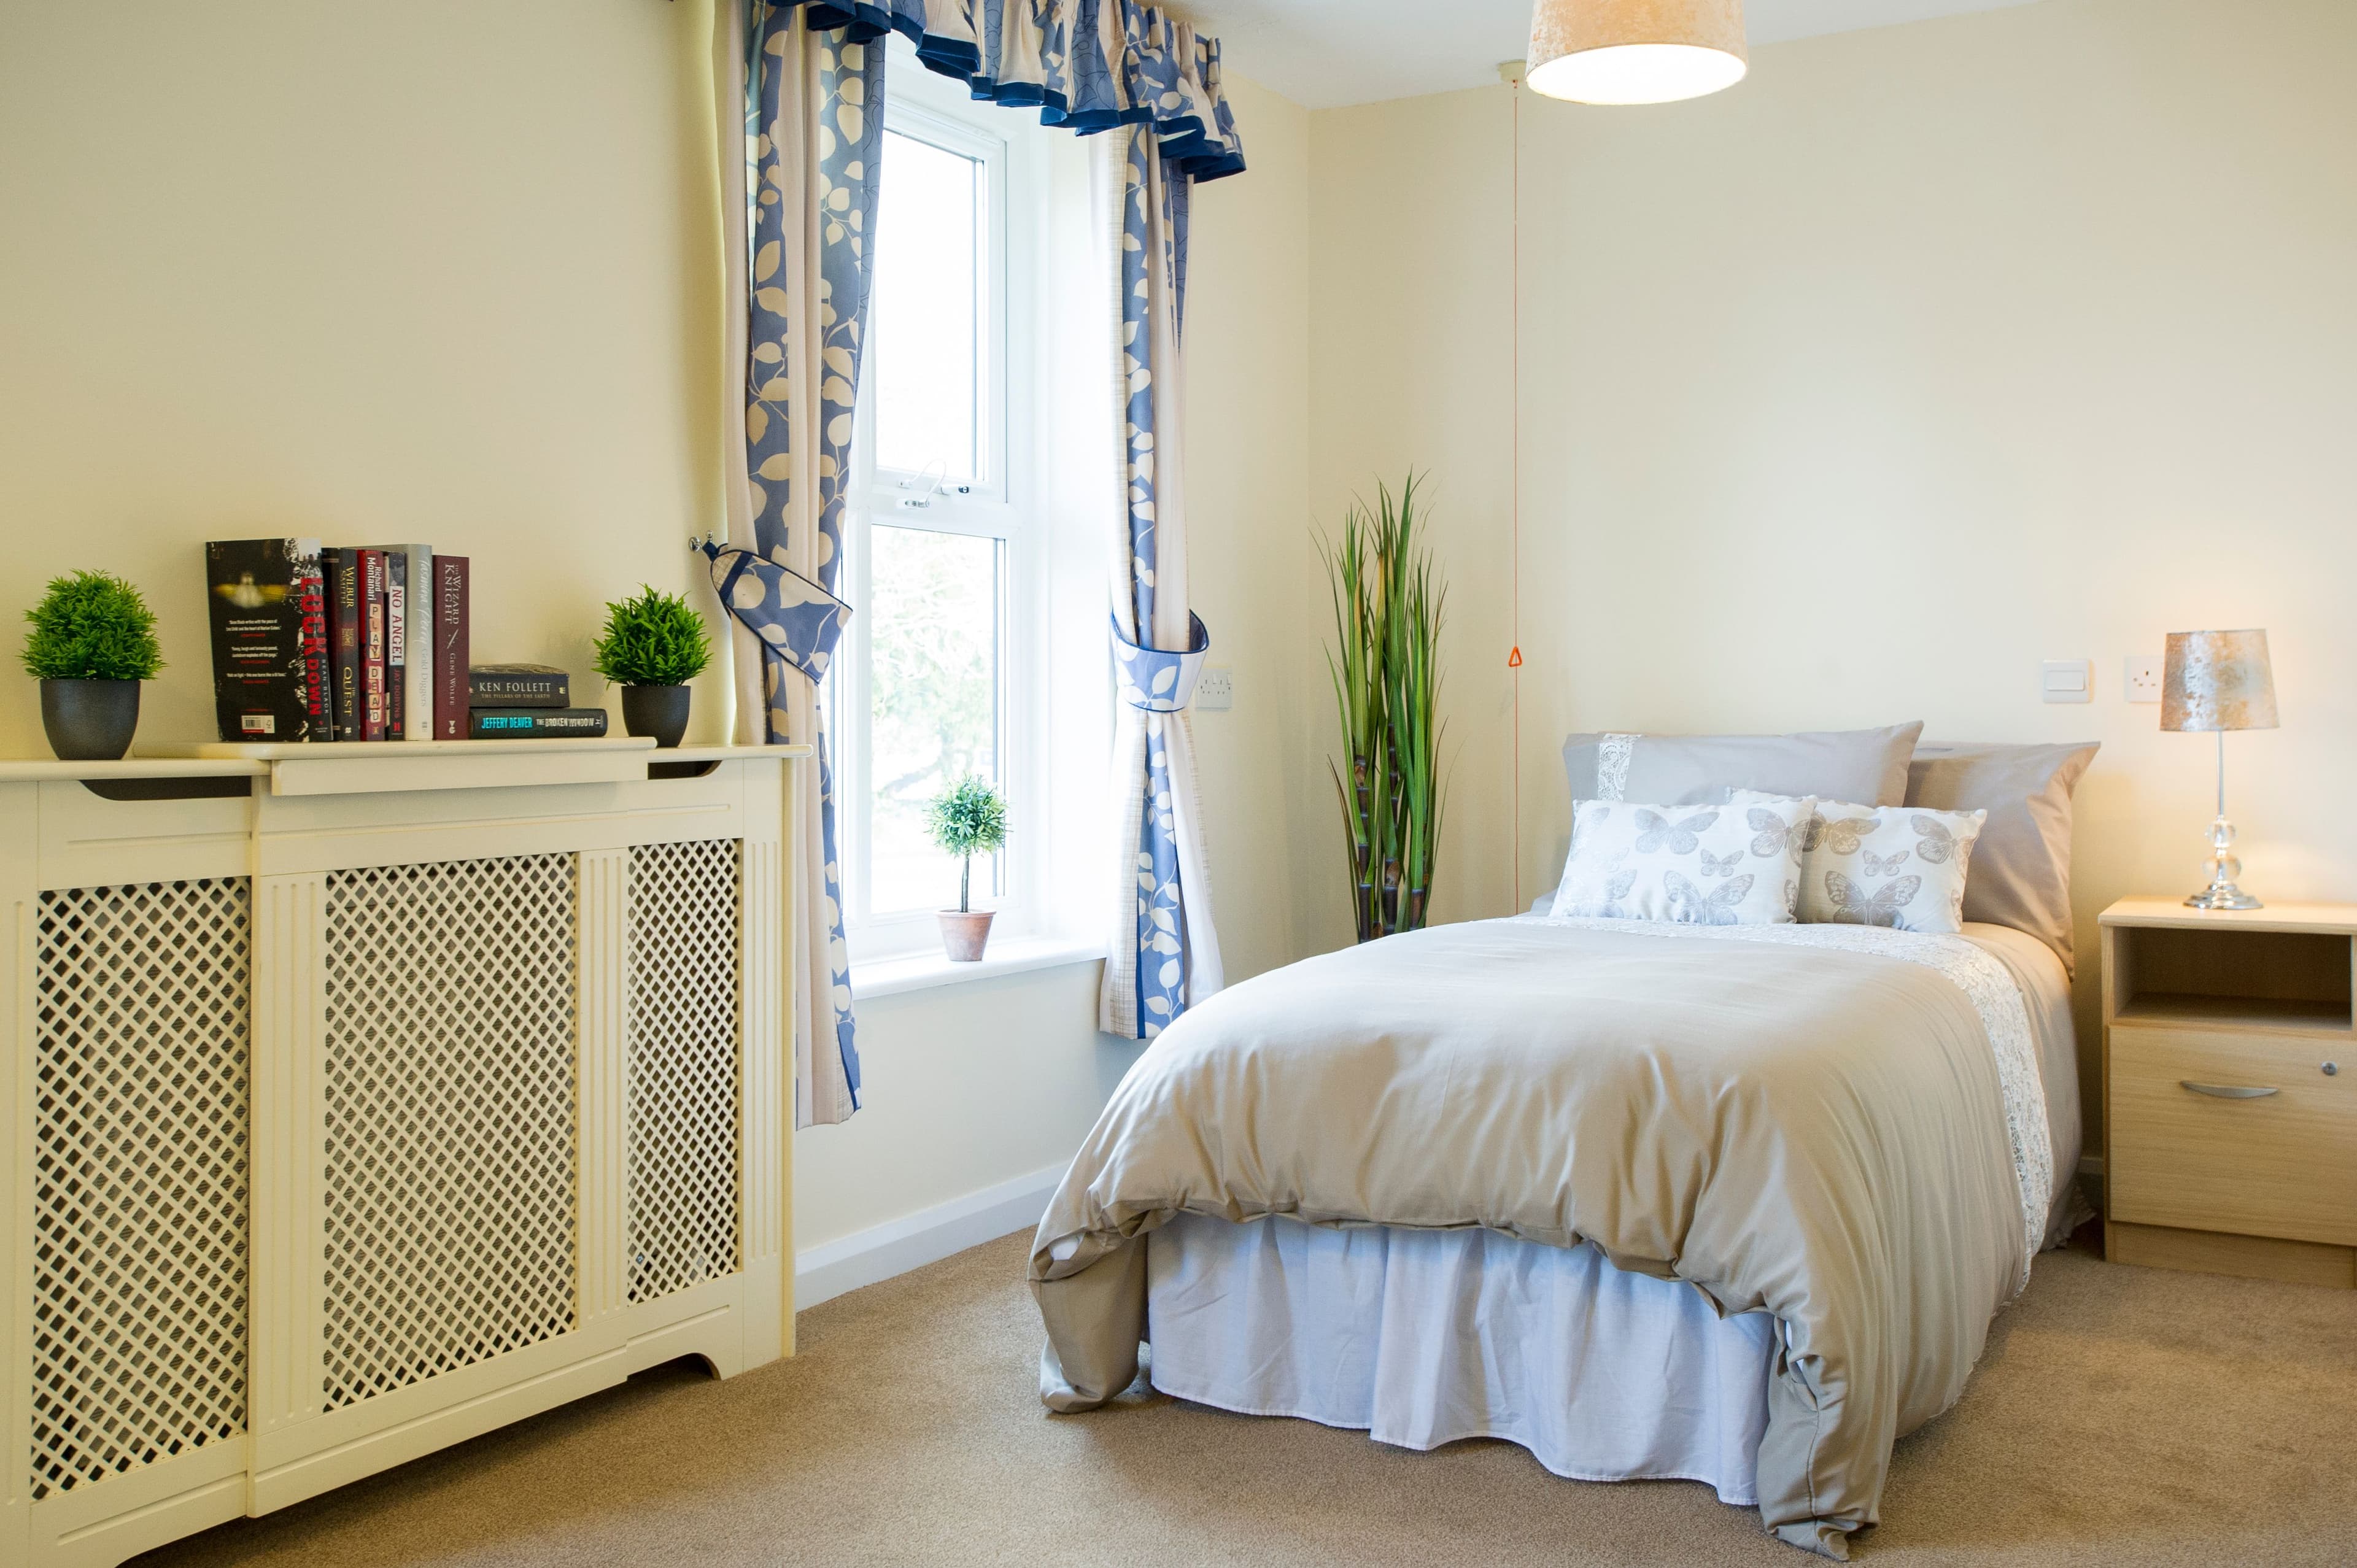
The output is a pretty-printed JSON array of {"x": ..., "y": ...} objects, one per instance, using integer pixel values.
[
  {"x": 418, "y": 704},
  {"x": 318, "y": 704},
  {"x": 343, "y": 569},
  {"x": 396, "y": 643},
  {"x": 534, "y": 724},
  {"x": 371, "y": 644},
  {"x": 486, "y": 690},
  {"x": 451, "y": 610}
]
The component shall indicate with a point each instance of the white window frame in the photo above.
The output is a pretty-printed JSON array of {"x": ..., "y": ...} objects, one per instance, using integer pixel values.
[{"x": 1000, "y": 503}]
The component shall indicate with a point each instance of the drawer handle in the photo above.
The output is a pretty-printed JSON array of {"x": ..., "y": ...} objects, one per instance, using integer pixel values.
[{"x": 2226, "y": 1091}]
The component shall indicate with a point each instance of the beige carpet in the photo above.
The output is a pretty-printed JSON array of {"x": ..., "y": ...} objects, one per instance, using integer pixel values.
[{"x": 2120, "y": 1416}]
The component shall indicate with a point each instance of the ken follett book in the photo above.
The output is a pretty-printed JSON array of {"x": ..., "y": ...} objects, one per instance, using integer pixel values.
[
  {"x": 534, "y": 724},
  {"x": 256, "y": 596},
  {"x": 518, "y": 686}
]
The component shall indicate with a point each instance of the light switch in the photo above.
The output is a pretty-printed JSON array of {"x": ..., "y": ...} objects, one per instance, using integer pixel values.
[
  {"x": 2142, "y": 680},
  {"x": 1215, "y": 689},
  {"x": 2069, "y": 680}
]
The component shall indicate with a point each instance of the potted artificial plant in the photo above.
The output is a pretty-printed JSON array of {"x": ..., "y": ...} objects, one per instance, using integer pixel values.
[
  {"x": 93, "y": 641},
  {"x": 968, "y": 819},
  {"x": 653, "y": 645}
]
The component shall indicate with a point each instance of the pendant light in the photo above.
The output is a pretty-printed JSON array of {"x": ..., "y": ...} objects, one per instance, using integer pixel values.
[{"x": 1635, "y": 51}]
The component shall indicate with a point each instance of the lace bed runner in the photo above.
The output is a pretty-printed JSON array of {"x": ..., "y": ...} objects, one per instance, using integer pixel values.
[{"x": 1970, "y": 969}]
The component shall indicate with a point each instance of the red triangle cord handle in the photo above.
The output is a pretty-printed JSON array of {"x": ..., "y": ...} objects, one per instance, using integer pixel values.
[{"x": 1514, "y": 660}]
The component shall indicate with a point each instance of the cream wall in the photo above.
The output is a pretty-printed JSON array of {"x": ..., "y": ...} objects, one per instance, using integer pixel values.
[
  {"x": 1849, "y": 395},
  {"x": 447, "y": 270},
  {"x": 435, "y": 271}
]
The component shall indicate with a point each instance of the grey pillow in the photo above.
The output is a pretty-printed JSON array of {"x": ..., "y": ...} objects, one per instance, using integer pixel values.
[
  {"x": 2020, "y": 874},
  {"x": 1868, "y": 766}
]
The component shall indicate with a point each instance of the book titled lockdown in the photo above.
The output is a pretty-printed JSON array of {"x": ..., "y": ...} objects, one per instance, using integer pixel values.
[
  {"x": 534, "y": 724},
  {"x": 261, "y": 594}
]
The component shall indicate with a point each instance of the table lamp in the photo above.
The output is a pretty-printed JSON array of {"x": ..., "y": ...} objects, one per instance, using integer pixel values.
[{"x": 2219, "y": 680}]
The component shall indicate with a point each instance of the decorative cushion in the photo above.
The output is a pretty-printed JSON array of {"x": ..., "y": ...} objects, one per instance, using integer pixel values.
[
  {"x": 1882, "y": 866},
  {"x": 1704, "y": 769},
  {"x": 1712, "y": 865},
  {"x": 2021, "y": 867}
]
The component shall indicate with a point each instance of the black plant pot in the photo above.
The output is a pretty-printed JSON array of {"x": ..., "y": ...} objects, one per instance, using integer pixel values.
[
  {"x": 90, "y": 721},
  {"x": 658, "y": 710}
]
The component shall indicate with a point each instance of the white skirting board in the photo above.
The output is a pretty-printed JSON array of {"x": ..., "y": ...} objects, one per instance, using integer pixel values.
[{"x": 865, "y": 1257}]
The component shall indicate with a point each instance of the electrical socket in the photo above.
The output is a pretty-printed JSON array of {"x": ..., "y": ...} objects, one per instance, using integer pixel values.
[
  {"x": 2142, "y": 680},
  {"x": 1215, "y": 689}
]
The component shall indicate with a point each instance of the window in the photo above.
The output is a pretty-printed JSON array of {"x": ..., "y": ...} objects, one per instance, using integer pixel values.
[{"x": 942, "y": 544}]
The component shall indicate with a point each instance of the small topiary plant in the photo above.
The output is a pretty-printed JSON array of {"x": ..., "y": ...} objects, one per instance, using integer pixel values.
[
  {"x": 968, "y": 819},
  {"x": 92, "y": 626},
  {"x": 654, "y": 639}
]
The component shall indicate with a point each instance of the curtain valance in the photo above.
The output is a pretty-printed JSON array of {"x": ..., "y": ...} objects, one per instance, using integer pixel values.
[{"x": 1087, "y": 64}]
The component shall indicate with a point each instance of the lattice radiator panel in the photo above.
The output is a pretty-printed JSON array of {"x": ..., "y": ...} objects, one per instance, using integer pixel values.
[
  {"x": 449, "y": 1083},
  {"x": 139, "y": 1181},
  {"x": 683, "y": 1065}
]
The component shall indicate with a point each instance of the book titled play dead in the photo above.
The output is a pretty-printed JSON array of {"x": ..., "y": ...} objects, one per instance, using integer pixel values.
[
  {"x": 535, "y": 723},
  {"x": 256, "y": 596},
  {"x": 518, "y": 686},
  {"x": 371, "y": 643},
  {"x": 452, "y": 608}
]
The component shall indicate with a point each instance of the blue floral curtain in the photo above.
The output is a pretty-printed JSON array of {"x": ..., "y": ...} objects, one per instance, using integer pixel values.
[
  {"x": 1164, "y": 954},
  {"x": 809, "y": 79},
  {"x": 813, "y": 103},
  {"x": 1090, "y": 65}
]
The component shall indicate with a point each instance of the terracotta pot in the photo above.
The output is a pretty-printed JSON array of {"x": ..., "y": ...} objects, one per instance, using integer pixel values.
[
  {"x": 90, "y": 721},
  {"x": 658, "y": 710},
  {"x": 964, "y": 934}
]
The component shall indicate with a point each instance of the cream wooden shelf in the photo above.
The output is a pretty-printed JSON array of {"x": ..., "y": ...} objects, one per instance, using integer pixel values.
[
  {"x": 375, "y": 768},
  {"x": 428, "y": 1087}
]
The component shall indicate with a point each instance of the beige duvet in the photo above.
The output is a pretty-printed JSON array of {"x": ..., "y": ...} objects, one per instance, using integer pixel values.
[{"x": 1812, "y": 1131}]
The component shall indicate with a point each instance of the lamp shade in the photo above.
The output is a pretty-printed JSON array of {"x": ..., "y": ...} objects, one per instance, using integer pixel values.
[
  {"x": 2217, "y": 680},
  {"x": 1635, "y": 51}
]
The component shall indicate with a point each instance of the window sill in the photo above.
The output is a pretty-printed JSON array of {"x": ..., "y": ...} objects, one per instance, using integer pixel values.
[{"x": 922, "y": 971}]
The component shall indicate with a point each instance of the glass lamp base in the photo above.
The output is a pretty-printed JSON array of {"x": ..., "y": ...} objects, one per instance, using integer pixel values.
[{"x": 2223, "y": 866}]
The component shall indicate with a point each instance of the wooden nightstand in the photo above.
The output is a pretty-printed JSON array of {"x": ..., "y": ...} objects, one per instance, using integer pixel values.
[{"x": 2230, "y": 1089}]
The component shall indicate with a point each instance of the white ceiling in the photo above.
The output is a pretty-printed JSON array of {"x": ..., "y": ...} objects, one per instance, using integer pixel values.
[{"x": 1328, "y": 53}]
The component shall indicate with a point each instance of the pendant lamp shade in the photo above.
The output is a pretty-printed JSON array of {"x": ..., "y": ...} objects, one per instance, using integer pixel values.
[{"x": 1635, "y": 51}]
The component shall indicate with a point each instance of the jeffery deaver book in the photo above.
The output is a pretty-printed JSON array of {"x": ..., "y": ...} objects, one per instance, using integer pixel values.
[{"x": 530, "y": 724}]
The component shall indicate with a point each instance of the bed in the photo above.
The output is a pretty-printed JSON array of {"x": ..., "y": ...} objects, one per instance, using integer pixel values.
[{"x": 1734, "y": 1204}]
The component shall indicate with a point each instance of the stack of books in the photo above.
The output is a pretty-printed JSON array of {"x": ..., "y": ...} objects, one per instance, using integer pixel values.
[
  {"x": 526, "y": 701},
  {"x": 324, "y": 643}
]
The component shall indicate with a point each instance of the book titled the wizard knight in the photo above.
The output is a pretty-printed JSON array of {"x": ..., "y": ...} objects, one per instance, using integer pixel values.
[{"x": 264, "y": 600}]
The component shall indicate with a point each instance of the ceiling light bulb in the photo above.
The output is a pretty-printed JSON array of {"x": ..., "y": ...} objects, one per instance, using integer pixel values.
[{"x": 1635, "y": 51}]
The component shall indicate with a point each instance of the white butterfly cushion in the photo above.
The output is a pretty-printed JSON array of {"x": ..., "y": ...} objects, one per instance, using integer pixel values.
[
  {"x": 1710, "y": 865},
  {"x": 1900, "y": 866}
]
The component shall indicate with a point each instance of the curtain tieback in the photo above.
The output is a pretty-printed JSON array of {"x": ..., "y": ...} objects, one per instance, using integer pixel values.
[
  {"x": 1155, "y": 679},
  {"x": 796, "y": 621}
]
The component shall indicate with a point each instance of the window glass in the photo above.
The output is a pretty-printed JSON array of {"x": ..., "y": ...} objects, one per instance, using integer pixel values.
[
  {"x": 934, "y": 604},
  {"x": 926, "y": 311}
]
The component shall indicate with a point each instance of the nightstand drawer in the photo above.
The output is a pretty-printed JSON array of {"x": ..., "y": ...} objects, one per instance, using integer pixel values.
[{"x": 2265, "y": 1147}]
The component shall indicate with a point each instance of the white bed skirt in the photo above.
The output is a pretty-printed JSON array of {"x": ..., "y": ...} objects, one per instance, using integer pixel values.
[{"x": 1421, "y": 1337}]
